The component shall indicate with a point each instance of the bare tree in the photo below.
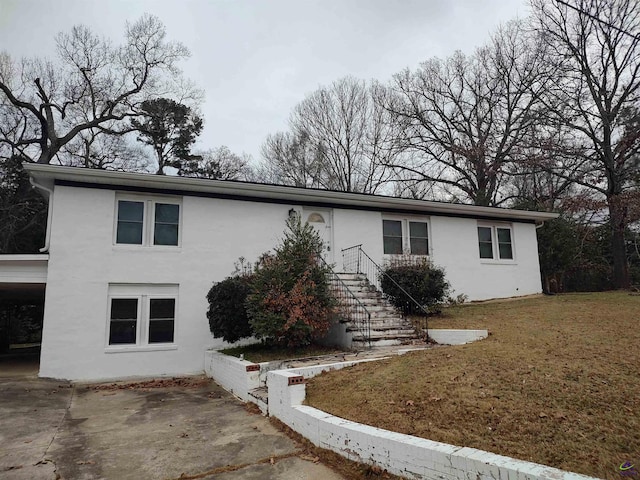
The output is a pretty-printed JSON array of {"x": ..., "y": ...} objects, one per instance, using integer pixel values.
[
  {"x": 595, "y": 46},
  {"x": 92, "y": 86},
  {"x": 339, "y": 140},
  {"x": 466, "y": 118},
  {"x": 291, "y": 159},
  {"x": 93, "y": 148},
  {"x": 218, "y": 164}
]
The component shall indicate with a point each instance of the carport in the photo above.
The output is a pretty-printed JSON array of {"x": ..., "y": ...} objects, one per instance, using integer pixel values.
[{"x": 23, "y": 281}]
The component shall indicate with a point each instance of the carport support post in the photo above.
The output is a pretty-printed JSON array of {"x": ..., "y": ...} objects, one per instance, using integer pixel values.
[{"x": 5, "y": 327}]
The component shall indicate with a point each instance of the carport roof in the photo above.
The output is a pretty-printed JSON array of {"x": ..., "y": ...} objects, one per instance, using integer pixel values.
[{"x": 23, "y": 270}]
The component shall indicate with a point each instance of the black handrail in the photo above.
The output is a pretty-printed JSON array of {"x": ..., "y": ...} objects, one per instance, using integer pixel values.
[
  {"x": 376, "y": 282},
  {"x": 355, "y": 311}
]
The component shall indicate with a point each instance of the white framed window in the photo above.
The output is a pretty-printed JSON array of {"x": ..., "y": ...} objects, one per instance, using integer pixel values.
[
  {"x": 147, "y": 221},
  {"x": 141, "y": 316},
  {"x": 495, "y": 242},
  {"x": 405, "y": 235}
]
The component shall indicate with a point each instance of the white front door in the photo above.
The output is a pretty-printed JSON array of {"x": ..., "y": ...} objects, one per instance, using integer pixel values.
[{"x": 320, "y": 220}]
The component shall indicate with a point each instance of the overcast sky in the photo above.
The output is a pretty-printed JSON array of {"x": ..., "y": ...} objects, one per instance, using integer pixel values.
[{"x": 256, "y": 59}]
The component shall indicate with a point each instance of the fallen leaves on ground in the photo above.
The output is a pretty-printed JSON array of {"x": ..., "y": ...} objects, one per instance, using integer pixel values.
[{"x": 182, "y": 382}]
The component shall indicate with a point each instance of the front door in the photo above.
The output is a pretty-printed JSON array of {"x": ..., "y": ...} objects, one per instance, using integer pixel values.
[{"x": 320, "y": 220}]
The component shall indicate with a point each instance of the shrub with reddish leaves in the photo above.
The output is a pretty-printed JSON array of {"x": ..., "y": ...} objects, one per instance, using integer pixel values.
[{"x": 290, "y": 302}]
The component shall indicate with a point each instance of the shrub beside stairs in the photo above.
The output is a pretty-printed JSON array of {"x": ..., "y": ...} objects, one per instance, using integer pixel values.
[{"x": 388, "y": 326}]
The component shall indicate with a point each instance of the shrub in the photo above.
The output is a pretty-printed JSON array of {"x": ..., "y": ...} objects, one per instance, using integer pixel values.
[
  {"x": 227, "y": 314},
  {"x": 422, "y": 280},
  {"x": 290, "y": 302}
]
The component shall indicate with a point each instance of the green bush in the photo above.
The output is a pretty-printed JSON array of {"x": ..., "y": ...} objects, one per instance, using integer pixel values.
[
  {"x": 290, "y": 302},
  {"x": 425, "y": 282},
  {"x": 227, "y": 314}
]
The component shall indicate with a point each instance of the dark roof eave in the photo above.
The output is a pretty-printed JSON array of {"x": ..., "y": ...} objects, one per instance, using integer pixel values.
[{"x": 268, "y": 193}]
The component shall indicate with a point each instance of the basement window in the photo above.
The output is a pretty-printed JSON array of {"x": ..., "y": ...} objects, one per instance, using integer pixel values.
[{"x": 141, "y": 315}]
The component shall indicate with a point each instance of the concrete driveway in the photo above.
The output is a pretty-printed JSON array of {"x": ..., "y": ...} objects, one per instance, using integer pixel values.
[{"x": 55, "y": 430}]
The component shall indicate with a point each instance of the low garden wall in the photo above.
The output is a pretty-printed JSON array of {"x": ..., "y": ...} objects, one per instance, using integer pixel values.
[
  {"x": 233, "y": 374},
  {"x": 446, "y": 336},
  {"x": 400, "y": 454}
]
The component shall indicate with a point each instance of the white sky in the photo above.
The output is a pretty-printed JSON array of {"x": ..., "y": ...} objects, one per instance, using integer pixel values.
[{"x": 256, "y": 59}]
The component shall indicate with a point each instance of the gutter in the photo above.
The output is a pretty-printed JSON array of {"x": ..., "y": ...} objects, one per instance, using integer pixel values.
[{"x": 49, "y": 196}]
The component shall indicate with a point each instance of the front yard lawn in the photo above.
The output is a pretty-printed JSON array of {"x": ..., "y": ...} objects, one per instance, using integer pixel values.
[{"x": 556, "y": 382}]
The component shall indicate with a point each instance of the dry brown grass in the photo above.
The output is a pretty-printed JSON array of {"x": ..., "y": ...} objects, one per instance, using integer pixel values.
[{"x": 557, "y": 382}]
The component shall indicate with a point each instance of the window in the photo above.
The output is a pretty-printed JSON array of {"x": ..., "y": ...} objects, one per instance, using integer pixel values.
[
  {"x": 162, "y": 313},
  {"x": 392, "y": 237},
  {"x": 124, "y": 321},
  {"x": 405, "y": 236},
  {"x": 485, "y": 241},
  {"x": 418, "y": 238},
  {"x": 165, "y": 231},
  {"x": 494, "y": 242},
  {"x": 130, "y": 222},
  {"x": 134, "y": 221},
  {"x": 141, "y": 315}
]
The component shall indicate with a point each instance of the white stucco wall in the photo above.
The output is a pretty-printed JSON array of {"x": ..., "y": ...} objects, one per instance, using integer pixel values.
[
  {"x": 83, "y": 262},
  {"x": 453, "y": 245}
]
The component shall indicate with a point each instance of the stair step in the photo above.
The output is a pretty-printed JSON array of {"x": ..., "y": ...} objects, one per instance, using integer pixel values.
[
  {"x": 385, "y": 342},
  {"x": 385, "y": 334},
  {"x": 398, "y": 336},
  {"x": 261, "y": 393},
  {"x": 386, "y": 327}
]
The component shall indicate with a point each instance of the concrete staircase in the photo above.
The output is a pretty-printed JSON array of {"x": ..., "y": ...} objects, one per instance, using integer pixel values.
[{"x": 388, "y": 327}]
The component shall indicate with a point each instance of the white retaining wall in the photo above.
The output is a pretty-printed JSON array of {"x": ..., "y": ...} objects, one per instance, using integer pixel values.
[
  {"x": 455, "y": 337},
  {"x": 234, "y": 375},
  {"x": 399, "y": 454}
]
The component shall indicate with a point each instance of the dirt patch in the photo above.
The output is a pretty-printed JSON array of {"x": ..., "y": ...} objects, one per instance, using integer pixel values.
[
  {"x": 556, "y": 383},
  {"x": 182, "y": 382}
]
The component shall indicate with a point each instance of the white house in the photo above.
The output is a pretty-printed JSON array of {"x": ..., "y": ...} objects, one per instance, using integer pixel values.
[{"x": 131, "y": 257}]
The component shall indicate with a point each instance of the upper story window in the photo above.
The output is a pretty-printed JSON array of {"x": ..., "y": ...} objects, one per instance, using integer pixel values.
[
  {"x": 495, "y": 242},
  {"x": 165, "y": 227},
  {"x": 405, "y": 235},
  {"x": 147, "y": 222},
  {"x": 392, "y": 236},
  {"x": 130, "y": 222},
  {"x": 418, "y": 238}
]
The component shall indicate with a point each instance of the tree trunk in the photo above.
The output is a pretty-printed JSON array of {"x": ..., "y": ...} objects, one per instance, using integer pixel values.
[{"x": 617, "y": 219}]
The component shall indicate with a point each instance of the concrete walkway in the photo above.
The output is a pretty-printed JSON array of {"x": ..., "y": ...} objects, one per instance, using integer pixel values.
[{"x": 55, "y": 430}]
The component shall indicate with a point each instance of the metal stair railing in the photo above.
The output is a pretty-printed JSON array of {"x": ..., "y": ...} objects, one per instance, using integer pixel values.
[
  {"x": 351, "y": 309},
  {"x": 356, "y": 260}
]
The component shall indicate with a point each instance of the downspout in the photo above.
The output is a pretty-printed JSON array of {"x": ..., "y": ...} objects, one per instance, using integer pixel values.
[
  {"x": 49, "y": 195},
  {"x": 539, "y": 225}
]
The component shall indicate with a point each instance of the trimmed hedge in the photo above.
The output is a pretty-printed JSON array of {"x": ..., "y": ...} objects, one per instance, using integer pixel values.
[
  {"x": 227, "y": 313},
  {"x": 425, "y": 282}
]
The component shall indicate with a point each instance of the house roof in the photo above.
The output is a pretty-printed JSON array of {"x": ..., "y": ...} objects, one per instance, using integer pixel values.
[{"x": 50, "y": 175}]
